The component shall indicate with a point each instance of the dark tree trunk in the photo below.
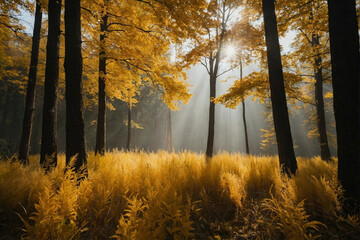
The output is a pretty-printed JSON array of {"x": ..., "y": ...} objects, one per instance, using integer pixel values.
[
  {"x": 278, "y": 98},
  {"x": 211, "y": 129},
  {"x": 36, "y": 133},
  {"x": 319, "y": 102},
  {"x": 244, "y": 113},
  {"x": 36, "y": 136},
  {"x": 169, "y": 141},
  {"x": 100, "y": 146},
  {"x": 48, "y": 155},
  {"x": 75, "y": 129},
  {"x": 245, "y": 128},
  {"x": 30, "y": 92},
  {"x": 345, "y": 62},
  {"x": 214, "y": 68},
  {"x": 128, "y": 129}
]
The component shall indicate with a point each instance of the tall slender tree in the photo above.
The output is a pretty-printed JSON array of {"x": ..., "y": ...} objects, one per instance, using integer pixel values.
[
  {"x": 48, "y": 156},
  {"x": 100, "y": 146},
  {"x": 75, "y": 129},
  {"x": 221, "y": 11},
  {"x": 319, "y": 101},
  {"x": 311, "y": 49},
  {"x": 214, "y": 61},
  {"x": 244, "y": 111},
  {"x": 345, "y": 62},
  {"x": 278, "y": 98},
  {"x": 30, "y": 92}
]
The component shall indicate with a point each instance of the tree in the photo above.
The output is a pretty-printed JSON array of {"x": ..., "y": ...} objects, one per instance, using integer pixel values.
[
  {"x": 208, "y": 48},
  {"x": 310, "y": 53},
  {"x": 244, "y": 110},
  {"x": 134, "y": 47},
  {"x": 345, "y": 62},
  {"x": 48, "y": 155},
  {"x": 30, "y": 93},
  {"x": 14, "y": 69},
  {"x": 9, "y": 9},
  {"x": 319, "y": 101},
  {"x": 250, "y": 47},
  {"x": 100, "y": 146},
  {"x": 131, "y": 101},
  {"x": 75, "y": 131},
  {"x": 214, "y": 60},
  {"x": 278, "y": 98},
  {"x": 245, "y": 44}
]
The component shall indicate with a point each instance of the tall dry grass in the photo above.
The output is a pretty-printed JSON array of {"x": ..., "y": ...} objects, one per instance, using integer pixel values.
[{"x": 162, "y": 195}]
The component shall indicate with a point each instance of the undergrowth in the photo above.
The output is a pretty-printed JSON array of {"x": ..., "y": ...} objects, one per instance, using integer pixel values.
[{"x": 164, "y": 195}]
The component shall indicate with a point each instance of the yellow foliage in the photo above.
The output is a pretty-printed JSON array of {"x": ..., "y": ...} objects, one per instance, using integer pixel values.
[
  {"x": 136, "y": 46},
  {"x": 256, "y": 84},
  {"x": 138, "y": 195}
]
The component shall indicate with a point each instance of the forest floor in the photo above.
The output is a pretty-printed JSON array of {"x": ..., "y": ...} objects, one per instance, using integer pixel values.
[{"x": 164, "y": 195}]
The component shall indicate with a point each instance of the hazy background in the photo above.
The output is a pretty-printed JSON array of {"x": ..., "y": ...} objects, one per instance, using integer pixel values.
[{"x": 189, "y": 124}]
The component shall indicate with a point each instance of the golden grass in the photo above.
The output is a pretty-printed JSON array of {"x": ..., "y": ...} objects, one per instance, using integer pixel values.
[{"x": 164, "y": 195}]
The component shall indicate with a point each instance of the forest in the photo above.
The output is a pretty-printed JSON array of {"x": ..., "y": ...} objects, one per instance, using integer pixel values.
[{"x": 179, "y": 119}]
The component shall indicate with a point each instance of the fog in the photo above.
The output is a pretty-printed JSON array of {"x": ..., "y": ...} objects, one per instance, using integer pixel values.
[{"x": 190, "y": 123}]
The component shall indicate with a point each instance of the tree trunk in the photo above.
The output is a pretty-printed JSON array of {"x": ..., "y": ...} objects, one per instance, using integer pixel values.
[
  {"x": 128, "y": 129},
  {"x": 75, "y": 129},
  {"x": 245, "y": 128},
  {"x": 345, "y": 62},
  {"x": 278, "y": 98},
  {"x": 211, "y": 129},
  {"x": 244, "y": 113},
  {"x": 319, "y": 102},
  {"x": 214, "y": 68},
  {"x": 169, "y": 141},
  {"x": 48, "y": 156},
  {"x": 36, "y": 132},
  {"x": 100, "y": 146},
  {"x": 30, "y": 92}
]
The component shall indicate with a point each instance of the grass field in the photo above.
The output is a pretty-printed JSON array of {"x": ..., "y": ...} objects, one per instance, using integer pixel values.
[{"x": 164, "y": 195}]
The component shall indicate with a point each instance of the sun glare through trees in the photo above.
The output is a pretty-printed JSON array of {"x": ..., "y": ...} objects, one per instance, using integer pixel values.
[{"x": 193, "y": 119}]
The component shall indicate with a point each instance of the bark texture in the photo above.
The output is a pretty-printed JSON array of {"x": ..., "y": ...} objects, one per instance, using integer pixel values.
[
  {"x": 319, "y": 102},
  {"x": 244, "y": 114},
  {"x": 211, "y": 128},
  {"x": 30, "y": 91},
  {"x": 345, "y": 62},
  {"x": 214, "y": 61},
  {"x": 245, "y": 128},
  {"x": 75, "y": 130},
  {"x": 48, "y": 156},
  {"x": 100, "y": 146},
  {"x": 278, "y": 98}
]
